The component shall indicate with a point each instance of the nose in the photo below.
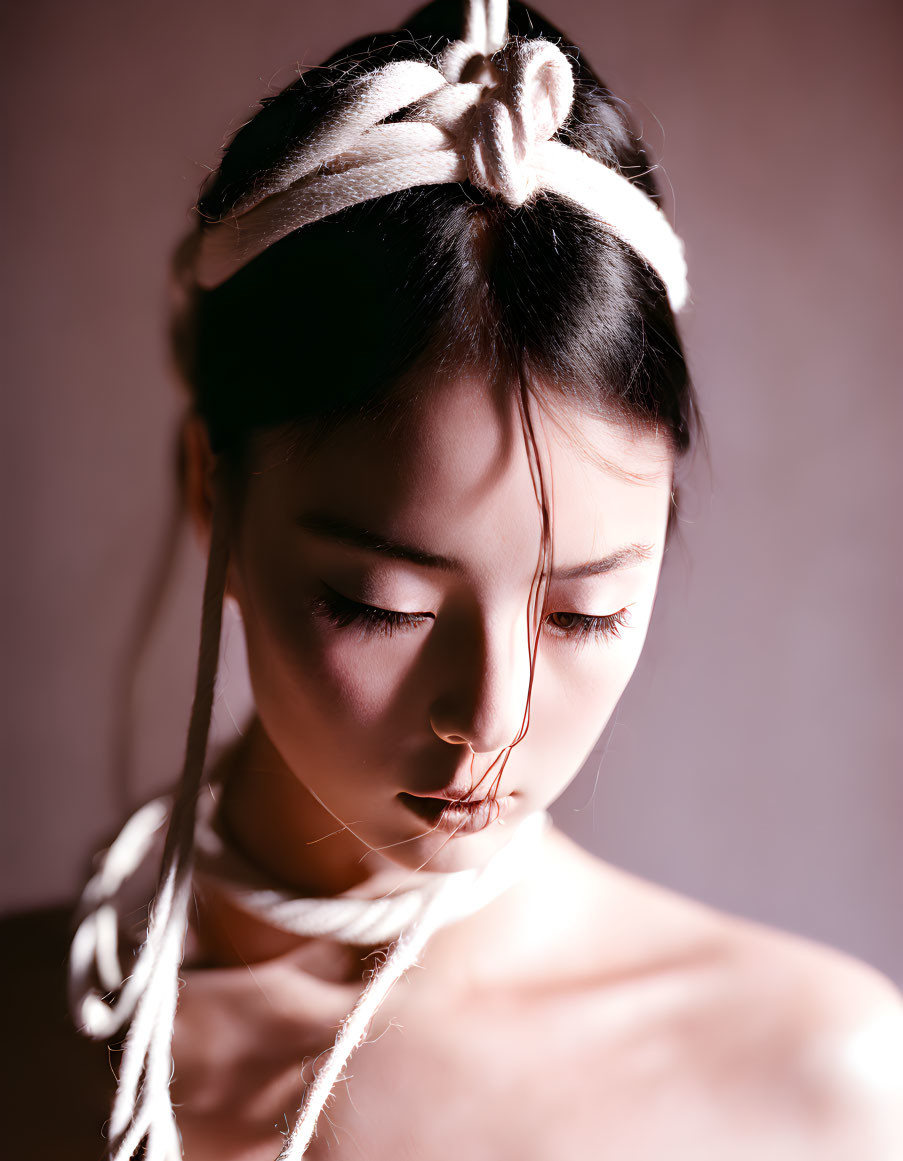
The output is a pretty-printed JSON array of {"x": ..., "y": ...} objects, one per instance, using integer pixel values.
[{"x": 485, "y": 679}]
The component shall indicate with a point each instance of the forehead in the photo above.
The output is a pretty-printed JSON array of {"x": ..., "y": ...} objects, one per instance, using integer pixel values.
[{"x": 452, "y": 475}]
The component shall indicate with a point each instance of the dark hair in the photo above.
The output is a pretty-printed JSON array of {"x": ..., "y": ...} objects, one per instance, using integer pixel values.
[
  {"x": 333, "y": 319},
  {"x": 349, "y": 314}
]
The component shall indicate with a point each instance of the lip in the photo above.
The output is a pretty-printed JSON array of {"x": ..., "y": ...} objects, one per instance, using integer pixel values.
[{"x": 452, "y": 816}]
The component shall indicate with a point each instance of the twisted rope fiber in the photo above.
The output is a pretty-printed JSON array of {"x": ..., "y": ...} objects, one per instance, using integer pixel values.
[
  {"x": 142, "y": 1109},
  {"x": 409, "y": 918},
  {"x": 460, "y": 892},
  {"x": 498, "y": 136},
  {"x": 352, "y": 917}
]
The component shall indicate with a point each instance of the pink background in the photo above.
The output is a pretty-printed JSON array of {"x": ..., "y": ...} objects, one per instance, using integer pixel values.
[{"x": 754, "y": 760}]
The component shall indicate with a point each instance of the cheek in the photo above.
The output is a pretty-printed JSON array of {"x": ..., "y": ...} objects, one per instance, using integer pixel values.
[
  {"x": 307, "y": 671},
  {"x": 368, "y": 678},
  {"x": 575, "y": 692},
  {"x": 575, "y": 695}
]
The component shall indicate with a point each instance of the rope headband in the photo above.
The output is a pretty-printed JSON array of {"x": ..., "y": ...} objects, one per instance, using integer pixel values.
[
  {"x": 488, "y": 114},
  {"x": 495, "y": 130}
]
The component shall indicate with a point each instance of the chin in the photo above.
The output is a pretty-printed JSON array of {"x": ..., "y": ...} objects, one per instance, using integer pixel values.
[{"x": 440, "y": 852}]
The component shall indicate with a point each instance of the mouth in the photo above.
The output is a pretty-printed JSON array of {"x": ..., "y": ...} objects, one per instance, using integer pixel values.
[{"x": 453, "y": 816}]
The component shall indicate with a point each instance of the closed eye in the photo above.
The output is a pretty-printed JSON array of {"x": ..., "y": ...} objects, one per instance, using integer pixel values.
[{"x": 342, "y": 612}]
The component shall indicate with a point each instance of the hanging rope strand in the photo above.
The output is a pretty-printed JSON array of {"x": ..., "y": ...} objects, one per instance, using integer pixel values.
[
  {"x": 142, "y": 1108},
  {"x": 496, "y": 128},
  {"x": 143, "y": 1111},
  {"x": 355, "y": 1026}
]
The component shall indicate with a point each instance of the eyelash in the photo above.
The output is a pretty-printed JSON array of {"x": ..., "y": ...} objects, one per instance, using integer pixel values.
[
  {"x": 608, "y": 626},
  {"x": 342, "y": 612}
]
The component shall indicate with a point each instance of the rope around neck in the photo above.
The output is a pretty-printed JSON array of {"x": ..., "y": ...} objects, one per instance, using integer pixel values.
[
  {"x": 487, "y": 114},
  {"x": 497, "y": 134},
  {"x": 104, "y": 997},
  {"x": 405, "y": 918},
  {"x": 354, "y": 917}
]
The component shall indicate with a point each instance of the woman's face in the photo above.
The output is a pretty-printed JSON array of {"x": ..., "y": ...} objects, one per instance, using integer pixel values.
[{"x": 384, "y": 582}]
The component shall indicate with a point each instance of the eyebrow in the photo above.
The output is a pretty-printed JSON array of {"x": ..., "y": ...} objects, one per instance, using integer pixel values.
[
  {"x": 344, "y": 532},
  {"x": 622, "y": 557}
]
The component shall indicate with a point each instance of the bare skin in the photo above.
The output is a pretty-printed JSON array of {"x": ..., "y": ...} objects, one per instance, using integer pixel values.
[{"x": 584, "y": 1013}]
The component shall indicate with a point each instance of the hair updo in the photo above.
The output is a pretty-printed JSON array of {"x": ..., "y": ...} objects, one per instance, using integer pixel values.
[
  {"x": 337, "y": 318},
  {"x": 347, "y": 316}
]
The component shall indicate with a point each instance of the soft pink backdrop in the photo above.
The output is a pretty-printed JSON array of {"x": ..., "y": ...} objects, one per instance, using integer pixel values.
[{"x": 754, "y": 760}]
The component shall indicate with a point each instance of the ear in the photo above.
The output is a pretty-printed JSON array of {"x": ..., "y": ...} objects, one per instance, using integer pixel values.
[{"x": 199, "y": 464}]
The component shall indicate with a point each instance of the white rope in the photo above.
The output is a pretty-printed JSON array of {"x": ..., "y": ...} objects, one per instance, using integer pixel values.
[
  {"x": 405, "y": 918},
  {"x": 142, "y": 1108},
  {"x": 487, "y": 114},
  {"x": 485, "y": 25},
  {"x": 94, "y": 951},
  {"x": 403, "y": 955},
  {"x": 351, "y": 917},
  {"x": 485, "y": 31},
  {"x": 496, "y": 135}
]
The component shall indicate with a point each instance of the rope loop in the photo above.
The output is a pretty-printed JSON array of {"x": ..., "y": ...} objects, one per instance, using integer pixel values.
[
  {"x": 525, "y": 110},
  {"x": 485, "y": 31},
  {"x": 487, "y": 110}
]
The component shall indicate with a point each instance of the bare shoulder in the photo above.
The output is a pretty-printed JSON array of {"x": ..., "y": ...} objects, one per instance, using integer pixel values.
[
  {"x": 834, "y": 1026},
  {"x": 800, "y": 1043}
]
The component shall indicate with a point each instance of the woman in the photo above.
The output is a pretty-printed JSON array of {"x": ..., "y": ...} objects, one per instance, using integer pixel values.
[{"x": 437, "y": 402}]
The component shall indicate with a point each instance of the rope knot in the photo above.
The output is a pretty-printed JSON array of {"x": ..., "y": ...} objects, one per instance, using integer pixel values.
[
  {"x": 487, "y": 109},
  {"x": 523, "y": 110}
]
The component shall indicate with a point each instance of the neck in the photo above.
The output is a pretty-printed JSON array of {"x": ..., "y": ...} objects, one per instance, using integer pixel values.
[
  {"x": 276, "y": 824},
  {"x": 274, "y": 820},
  {"x": 268, "y": 814}
]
